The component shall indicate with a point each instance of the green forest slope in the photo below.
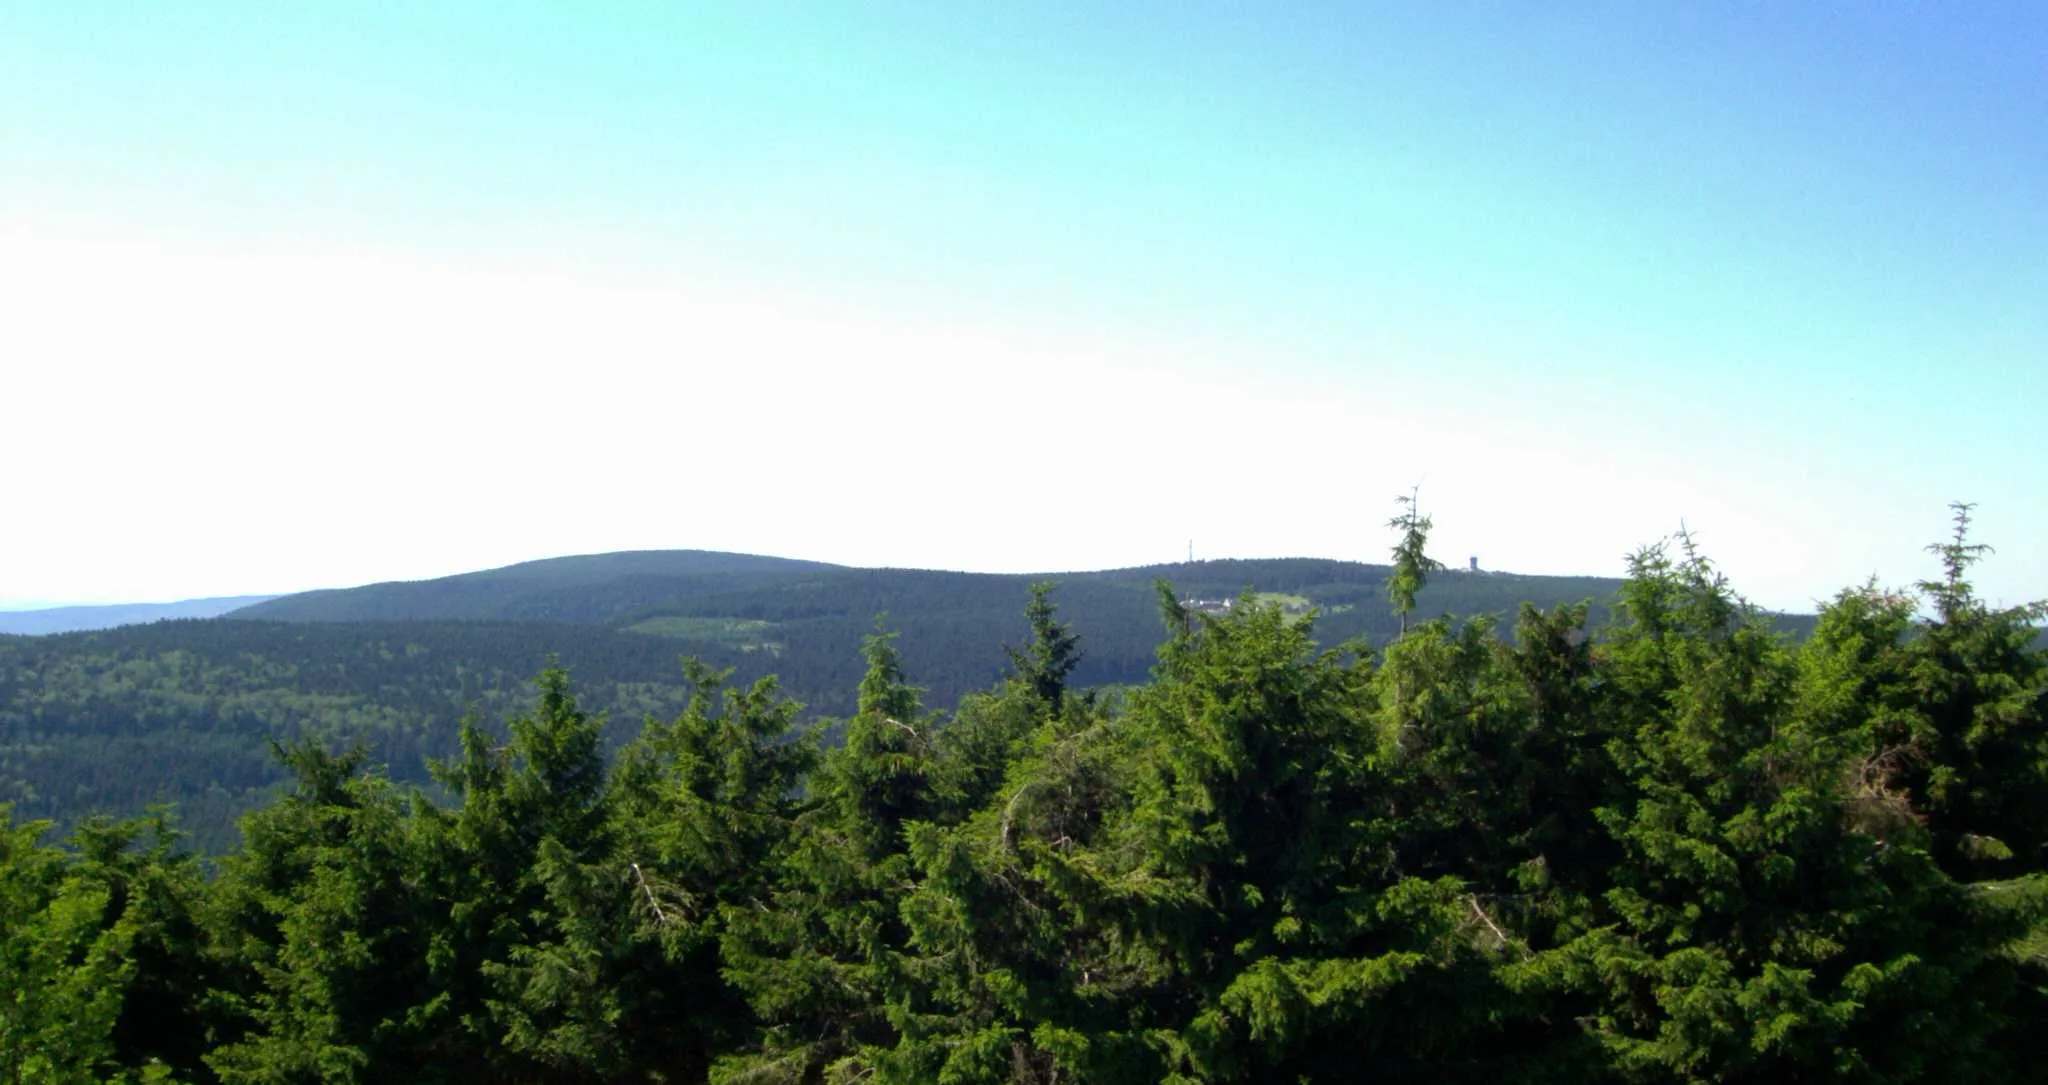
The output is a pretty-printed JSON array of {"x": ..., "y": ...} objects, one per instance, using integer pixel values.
[
  {"x": 588, "y": 589},
  {"x": 185, "y": 712}
]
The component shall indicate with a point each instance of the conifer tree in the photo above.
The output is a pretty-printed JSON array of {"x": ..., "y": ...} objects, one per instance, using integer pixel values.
[
  {"x": 989, "y": 730},
  {"x": 821, "y": 960},
  {"x": 702, "y": 805},
  {"x": 156, "y": 891},
  {"x": 1054, "y": 650},
  {"x": 522, "y": 864},
  {"x": 1412, "y": 563},
  {"x": 1250, "y": 878},
  {"x": 1751, "y": 930},
  {"x": 63, "y": 968},
  {"x": 1015, "y": 984},
  {"x": 327, "y": 915},
  {"x": 1983, "y": 686}
]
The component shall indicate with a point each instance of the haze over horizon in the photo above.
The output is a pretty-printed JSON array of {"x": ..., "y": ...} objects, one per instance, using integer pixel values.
[{"x": 323, "y": 296}]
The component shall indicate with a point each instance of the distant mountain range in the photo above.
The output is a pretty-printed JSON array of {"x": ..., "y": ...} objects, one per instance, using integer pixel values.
[{"x": 76, "y": 619}]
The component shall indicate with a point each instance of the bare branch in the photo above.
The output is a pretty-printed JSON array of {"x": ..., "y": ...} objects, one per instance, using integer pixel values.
[
  {"x": 1480, "y": 914},
  {"x": 659, "y": 915}
]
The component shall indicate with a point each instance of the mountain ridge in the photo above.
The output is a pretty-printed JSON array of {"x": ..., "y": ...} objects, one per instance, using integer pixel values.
[
  {"x": 44, "y": 621},
  {"x": 522, "y": 591},
  {"x": 541, "y": 590},
  {"x": 186, "y": 711}
]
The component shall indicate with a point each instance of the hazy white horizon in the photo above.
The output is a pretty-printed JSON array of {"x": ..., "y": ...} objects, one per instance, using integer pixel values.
[{"x": 318, "y": 297}]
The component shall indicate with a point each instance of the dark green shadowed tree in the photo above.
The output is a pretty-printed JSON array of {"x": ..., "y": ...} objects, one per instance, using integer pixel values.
[
  {"x": 523, "y": 866},
  {"x": 821, "y": 957},
  {"x": 702, "y": 806},
  {"x": 1052, "y": 654},
  {"x": 157, "y": 893},
  {"x": 328, "y": 920},
  {"x": 991, "y": 730},
  {"x": 1982, "y": 685}
]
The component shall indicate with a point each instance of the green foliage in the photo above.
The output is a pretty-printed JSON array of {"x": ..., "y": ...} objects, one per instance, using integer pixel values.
[
  {"x": 1053, "y": 653},
  {"x": 181, "y": 712},
  {"x": 329, "y": 924},
  {"x": 1412, "y": 563},
  {"x": 62, "y": 966},
  {"x": 104, "y": 973},
  {"x": 1983, "y": 687},
  {"x": 820, "y": 958},
  {"x": 701, "y": 807},
  {"x": 1678, "y": 846}
]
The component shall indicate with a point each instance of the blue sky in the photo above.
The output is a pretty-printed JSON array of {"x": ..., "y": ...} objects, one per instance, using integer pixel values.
[{"x": 322, "y": 294}]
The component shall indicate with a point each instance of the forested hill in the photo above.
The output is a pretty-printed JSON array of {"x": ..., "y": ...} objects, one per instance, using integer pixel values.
[
  {"x": 804, "y": 620},
  {"x": 629, "y": 588},
  {"x": 185, "y": 712},
  {"x": 585, "y": 589}
]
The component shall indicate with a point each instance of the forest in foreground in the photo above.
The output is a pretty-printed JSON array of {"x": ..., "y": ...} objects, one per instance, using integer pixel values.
[{"x": 1674, "y": 845}]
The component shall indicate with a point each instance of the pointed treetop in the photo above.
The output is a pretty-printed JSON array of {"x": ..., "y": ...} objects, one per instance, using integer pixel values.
[{"x": 1412, "y": 564}]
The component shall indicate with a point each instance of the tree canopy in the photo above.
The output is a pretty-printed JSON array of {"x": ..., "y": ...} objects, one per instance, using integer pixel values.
[{"x": 1672, "y": 846}]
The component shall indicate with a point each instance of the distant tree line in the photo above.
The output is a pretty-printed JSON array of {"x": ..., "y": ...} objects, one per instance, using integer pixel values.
[{"x": 1674, "y": 846}]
